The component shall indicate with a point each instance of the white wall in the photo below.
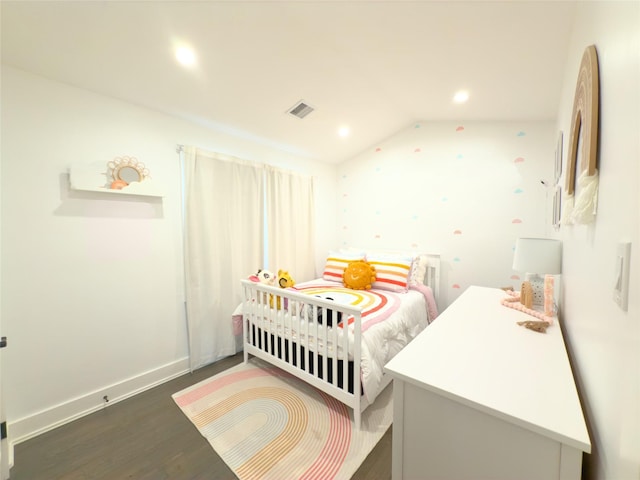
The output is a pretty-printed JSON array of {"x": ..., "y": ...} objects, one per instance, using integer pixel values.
[
  {"x": 466, "y": 191},
  {"x": 604, "y": 341},
  {"x": 92, "y": 290}
]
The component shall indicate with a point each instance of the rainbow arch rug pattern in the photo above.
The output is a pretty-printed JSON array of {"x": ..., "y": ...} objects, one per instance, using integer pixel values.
[{"x": 266, "y": 424}]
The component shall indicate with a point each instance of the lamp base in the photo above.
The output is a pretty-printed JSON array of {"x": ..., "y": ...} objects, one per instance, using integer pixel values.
[{"x": 537, "y": 286}]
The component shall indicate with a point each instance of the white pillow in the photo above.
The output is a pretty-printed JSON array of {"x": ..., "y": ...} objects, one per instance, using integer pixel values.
[{"x": 418, "y": 269}]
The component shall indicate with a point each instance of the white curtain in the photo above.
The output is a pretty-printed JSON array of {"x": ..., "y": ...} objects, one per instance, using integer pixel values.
[
  {"x": 290, "y": 223},
  {"x": 224, "y": 233}
]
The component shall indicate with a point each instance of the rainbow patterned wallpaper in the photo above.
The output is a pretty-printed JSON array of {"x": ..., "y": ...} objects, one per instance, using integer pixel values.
[{"x": 467, "y": 191}]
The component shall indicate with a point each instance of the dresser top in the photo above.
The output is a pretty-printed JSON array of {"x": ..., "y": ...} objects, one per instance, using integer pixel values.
[{"x": 475, "y": 353}]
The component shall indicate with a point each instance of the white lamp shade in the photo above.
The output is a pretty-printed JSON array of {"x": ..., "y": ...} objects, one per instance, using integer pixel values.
[{"x": 538, "y": 255}]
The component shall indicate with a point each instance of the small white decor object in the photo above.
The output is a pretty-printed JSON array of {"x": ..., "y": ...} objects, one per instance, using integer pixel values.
[{"x": 581, "y": 208}]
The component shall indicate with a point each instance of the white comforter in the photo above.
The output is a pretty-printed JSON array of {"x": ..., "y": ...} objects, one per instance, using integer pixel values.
[{"x": 382, "y": 341}]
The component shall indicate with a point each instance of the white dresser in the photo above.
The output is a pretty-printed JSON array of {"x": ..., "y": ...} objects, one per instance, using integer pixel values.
[{"x": 477, "y": 396}]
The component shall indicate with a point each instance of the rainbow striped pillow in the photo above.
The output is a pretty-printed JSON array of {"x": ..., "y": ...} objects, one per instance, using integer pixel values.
[
  {"x": 392, "y": 271},
  {"x": 336, "y": 263}
]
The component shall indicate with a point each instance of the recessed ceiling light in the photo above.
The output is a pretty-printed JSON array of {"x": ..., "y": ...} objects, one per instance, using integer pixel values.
[
  {"x": 186, "y": 56},
  {"x": 461, "y": 96},
  {"x": 344, "y": 131}
]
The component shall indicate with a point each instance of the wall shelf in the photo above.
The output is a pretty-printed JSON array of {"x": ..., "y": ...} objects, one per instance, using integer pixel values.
[{"x": 92, "y": 177}]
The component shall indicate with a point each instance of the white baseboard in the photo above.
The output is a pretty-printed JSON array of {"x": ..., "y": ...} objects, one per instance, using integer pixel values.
[{"x": 45, "y": 420}]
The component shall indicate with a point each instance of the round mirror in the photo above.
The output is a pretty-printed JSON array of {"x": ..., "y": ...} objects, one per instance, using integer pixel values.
[
  {"x": 129, "y": 174},
  {"x": 124, "y": 170}
]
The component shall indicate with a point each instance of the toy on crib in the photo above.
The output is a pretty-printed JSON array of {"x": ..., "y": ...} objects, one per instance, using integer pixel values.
[
  {"x": 266, "y": 277},
  {"x": 284, "y": 281},
  {"x": 359, "y": 275}
]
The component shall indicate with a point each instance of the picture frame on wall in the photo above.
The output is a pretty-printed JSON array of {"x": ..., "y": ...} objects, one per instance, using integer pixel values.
[
  {"x": 557, "y": 207},
  {"x": 558, "y": 165}
]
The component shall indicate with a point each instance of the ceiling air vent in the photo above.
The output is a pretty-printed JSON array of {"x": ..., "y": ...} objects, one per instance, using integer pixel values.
[{"x": 300, "y": 109}]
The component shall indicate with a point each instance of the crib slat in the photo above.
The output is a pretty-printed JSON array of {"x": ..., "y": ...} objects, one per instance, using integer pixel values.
[
  {"x": 314, "y": 349},
  {"x": 357, "y": 325},
  {"x": 334, "y": 357},
  {"x": 298, "y": 346},
  {"x": 278, "y": 316},
  {"x": 325, "y": 348},
  {"x": 345, "y": 356},
  {"x": 294, "y": 306}
]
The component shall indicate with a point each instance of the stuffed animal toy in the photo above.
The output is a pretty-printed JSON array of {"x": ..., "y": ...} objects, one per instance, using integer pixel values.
[
  {"x": 266, "y": 277},
  {"x": 359, "y": 275},
  {"x": 263, "y": 276},
  {"x": 284, "y": 281}
]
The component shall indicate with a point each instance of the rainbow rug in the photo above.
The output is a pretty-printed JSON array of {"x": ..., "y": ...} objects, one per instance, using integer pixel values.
[{"x": 267, "y": 424}]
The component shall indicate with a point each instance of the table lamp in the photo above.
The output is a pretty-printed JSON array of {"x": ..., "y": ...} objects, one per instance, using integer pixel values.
[{"x": 537, "y": 257}]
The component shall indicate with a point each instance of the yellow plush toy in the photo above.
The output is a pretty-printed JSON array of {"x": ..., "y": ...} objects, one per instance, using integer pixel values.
[
  {"x": 284, "y": 281},
  {"x": 359, "y": 275}
]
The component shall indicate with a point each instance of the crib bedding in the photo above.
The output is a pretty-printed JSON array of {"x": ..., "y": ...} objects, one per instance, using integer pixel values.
[{"x": 389, "y": 321}]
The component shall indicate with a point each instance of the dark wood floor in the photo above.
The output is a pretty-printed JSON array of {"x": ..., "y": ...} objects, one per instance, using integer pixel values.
[{"x": 145, "y": 437}]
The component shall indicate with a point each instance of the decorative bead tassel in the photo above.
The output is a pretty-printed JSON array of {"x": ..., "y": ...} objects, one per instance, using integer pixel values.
[{"x": 548, "y": 295}]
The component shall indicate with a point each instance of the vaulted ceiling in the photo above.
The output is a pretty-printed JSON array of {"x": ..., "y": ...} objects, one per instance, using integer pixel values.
[{"x": 374, "y": 66}]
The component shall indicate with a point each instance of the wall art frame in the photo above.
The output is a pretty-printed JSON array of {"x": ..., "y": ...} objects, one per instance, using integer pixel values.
[
  {"x": 558, "y": 164},
  {"x": 557, "y": 208}
]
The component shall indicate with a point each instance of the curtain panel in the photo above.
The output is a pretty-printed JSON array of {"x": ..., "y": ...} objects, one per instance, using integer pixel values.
[
  {"x": 223, "y": 235},
  {"x": 290, "y": 223}
]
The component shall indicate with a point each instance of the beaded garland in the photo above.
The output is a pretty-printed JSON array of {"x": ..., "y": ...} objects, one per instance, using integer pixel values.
[{"x": 513, "y": 301}]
